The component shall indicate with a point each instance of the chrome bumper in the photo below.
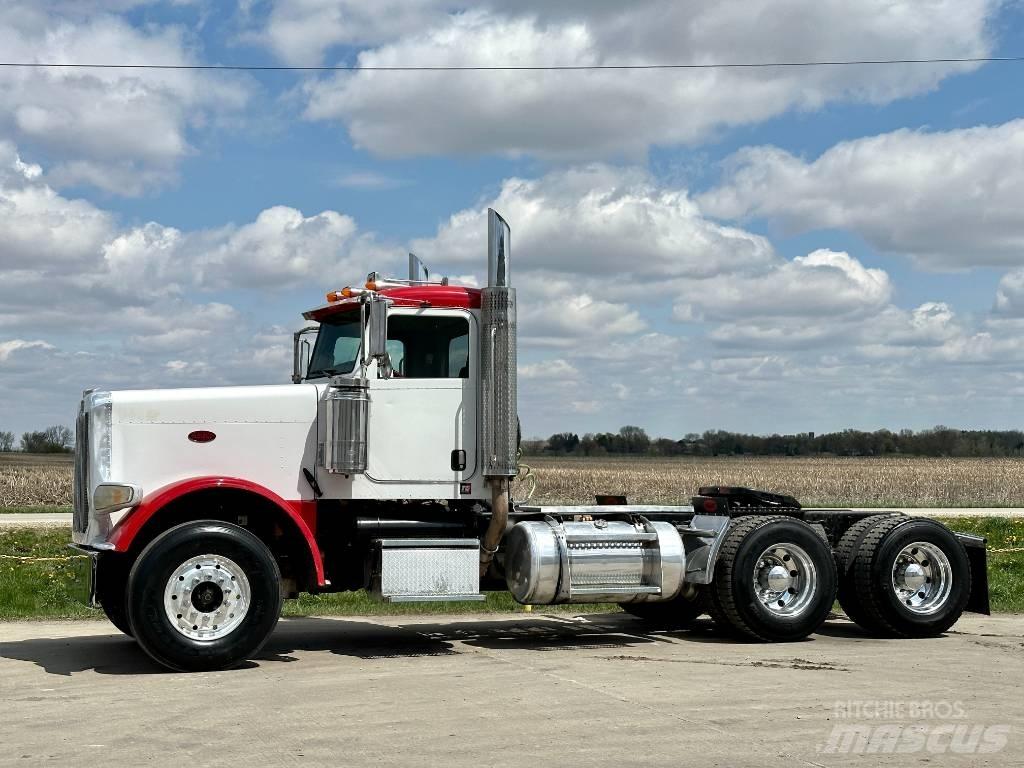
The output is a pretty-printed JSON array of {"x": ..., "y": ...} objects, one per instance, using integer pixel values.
[{"x": 83, "y": 586}]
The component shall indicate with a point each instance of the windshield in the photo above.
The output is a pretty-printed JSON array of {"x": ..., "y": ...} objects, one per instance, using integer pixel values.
[{"x": 337, "y": 346}]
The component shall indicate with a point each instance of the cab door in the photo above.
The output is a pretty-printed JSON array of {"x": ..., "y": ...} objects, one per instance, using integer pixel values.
[{"x": 424, "y": 418}]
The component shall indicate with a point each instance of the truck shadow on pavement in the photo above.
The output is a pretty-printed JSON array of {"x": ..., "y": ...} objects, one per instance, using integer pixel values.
[{"x": 115, "y": 654}]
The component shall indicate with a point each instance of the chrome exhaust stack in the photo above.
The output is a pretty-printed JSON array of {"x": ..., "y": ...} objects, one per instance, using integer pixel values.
[{"x": 500, "y": 424}]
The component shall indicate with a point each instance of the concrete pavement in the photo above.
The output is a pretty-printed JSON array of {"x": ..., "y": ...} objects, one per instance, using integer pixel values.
[
  {"x": 528, "y": 689},
  {"x": 16, "y": 519},
  {"x": 958, "y": 511}
]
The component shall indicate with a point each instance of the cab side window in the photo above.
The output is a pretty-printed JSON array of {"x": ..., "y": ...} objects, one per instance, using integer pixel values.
[{"x": 426, "y": 347}]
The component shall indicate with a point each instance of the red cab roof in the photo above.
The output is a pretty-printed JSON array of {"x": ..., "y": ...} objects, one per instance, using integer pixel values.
[{"x": 446, "y": 296}]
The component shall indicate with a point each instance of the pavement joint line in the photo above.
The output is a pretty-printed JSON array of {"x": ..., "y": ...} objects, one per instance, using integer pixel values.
[{"x": 631, "y": 702}]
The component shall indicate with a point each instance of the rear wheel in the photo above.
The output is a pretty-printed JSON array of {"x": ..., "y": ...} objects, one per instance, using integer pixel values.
[
  {"x": 677, "y": 613},
  {"x": 203, "y": 596},
  {"x": 775, "y": 579},
  {"x": 912, "y": 577}
]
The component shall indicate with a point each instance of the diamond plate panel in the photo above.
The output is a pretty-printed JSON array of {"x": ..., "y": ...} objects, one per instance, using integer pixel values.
[{"x": 430, "y": 570}]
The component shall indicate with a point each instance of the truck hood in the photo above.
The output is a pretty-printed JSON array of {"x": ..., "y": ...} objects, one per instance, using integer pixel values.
[
  {"x": 284, "y": 403},
  {"x": 265, "y": 435}
]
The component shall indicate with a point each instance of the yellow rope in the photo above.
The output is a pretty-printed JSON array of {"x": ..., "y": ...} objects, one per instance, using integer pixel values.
[{"x": 526, "y": 476}]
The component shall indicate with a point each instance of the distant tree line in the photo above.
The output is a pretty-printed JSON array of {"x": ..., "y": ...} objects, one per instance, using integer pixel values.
[
  {"x": 56, "y": 439},
  {"x": 938, "y": 441}
]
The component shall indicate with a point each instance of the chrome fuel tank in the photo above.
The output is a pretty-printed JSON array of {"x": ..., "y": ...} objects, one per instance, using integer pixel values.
[{"x": 595, "y": 561}]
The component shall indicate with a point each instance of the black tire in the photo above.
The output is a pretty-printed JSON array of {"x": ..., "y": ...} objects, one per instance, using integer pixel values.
[
  {"x": 737, "y": 603},
  {"x": 846, "y": 555},
  {"x": 884, "y": 610},
  {"x": 155, "y": 568},
  {"x": 677, "y": 613},
  {"x": 112, "y": 590}
]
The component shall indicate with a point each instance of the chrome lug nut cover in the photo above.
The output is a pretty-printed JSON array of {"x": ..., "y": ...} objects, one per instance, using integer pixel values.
[
  {"x": 785, "y": 579},
  {"x": 211, "y": 602},
  {"x": 922, "y": 578}
]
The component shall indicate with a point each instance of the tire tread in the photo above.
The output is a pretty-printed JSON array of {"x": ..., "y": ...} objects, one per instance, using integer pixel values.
[
  {"x": 725, "y": 612},
  {"x": 846, "y": 553}
]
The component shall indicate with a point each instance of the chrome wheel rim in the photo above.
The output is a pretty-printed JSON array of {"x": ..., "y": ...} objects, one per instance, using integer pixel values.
[
  {"x": 207, "y": 597},
  {"x": 785, "y": 579},
  {"x": 922, "y": 578}
]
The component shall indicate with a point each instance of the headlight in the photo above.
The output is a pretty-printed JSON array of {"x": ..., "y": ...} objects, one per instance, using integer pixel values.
[{"x": 98, "y": 406}]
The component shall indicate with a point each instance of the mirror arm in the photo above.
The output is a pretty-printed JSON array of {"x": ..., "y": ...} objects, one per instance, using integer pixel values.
[
  {"x": 297, "y": 345},
  {"x": 363, "y": 336}
]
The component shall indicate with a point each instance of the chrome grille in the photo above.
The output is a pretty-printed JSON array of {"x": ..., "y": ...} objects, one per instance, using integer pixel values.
[{"x": 80, "y": 490}]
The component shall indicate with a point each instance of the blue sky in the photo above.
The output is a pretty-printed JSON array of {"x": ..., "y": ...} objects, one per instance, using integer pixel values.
[{"x": 762, "y": 250}]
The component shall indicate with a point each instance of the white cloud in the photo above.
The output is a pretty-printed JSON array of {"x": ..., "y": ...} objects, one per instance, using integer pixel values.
[
  {"x": 34, "y": 219},
  {"x": 823, "y": 284},
  {"x": 600, "y": 220},
  {"x": 548, "y": 369},
  {"x": 623, "y": 113},
  {"x": 119, "y": 130},
  {"x": 947, "y": 199},
  {"x": 555, "y": 312},
  {"x": 8, "y": 348},
  {"x": 282, "y": 246},
  {"x": 1010, "y": 294},
  {"x": 299, "y": 32},
  {"x": 369, "y": 180}
]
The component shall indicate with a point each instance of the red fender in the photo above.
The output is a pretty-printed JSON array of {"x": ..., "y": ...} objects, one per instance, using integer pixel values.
[{"x": 301, "y": 512}]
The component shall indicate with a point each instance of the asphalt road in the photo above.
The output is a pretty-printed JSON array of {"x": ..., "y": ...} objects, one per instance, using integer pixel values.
[
  {"x": 57, "y": 518},
  {"x": 528, "y": 689}
]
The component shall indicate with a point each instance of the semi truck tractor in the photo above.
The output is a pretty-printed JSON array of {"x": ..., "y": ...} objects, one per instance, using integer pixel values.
[{"x": 388, "y": 465}]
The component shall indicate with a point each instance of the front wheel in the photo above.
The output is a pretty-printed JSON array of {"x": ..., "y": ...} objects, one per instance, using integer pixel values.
[{"x": 203, "y": 596}]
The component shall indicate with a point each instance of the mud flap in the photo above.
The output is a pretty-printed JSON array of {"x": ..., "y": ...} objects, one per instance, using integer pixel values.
[
  {"x": 977, "y": 556},
  {"x": 82, "y": 587}
]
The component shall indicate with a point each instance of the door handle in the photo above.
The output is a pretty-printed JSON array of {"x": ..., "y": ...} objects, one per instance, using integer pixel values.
[{"x": 458, "y": 460}]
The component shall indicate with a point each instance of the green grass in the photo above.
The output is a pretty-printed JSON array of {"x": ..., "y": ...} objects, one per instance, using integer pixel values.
[
  {"x": 361, "y": 604},
  {"x": 37, "y": 510},
  {"x": 1005, "y": 569},
  {"x": 41, "y": 590},
  {"x": 37, "y": 590}
]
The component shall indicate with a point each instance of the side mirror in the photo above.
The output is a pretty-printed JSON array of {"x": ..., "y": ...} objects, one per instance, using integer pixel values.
[
  {"x": 301, "y": 349},
  {"x": 377, "y": 333}
]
